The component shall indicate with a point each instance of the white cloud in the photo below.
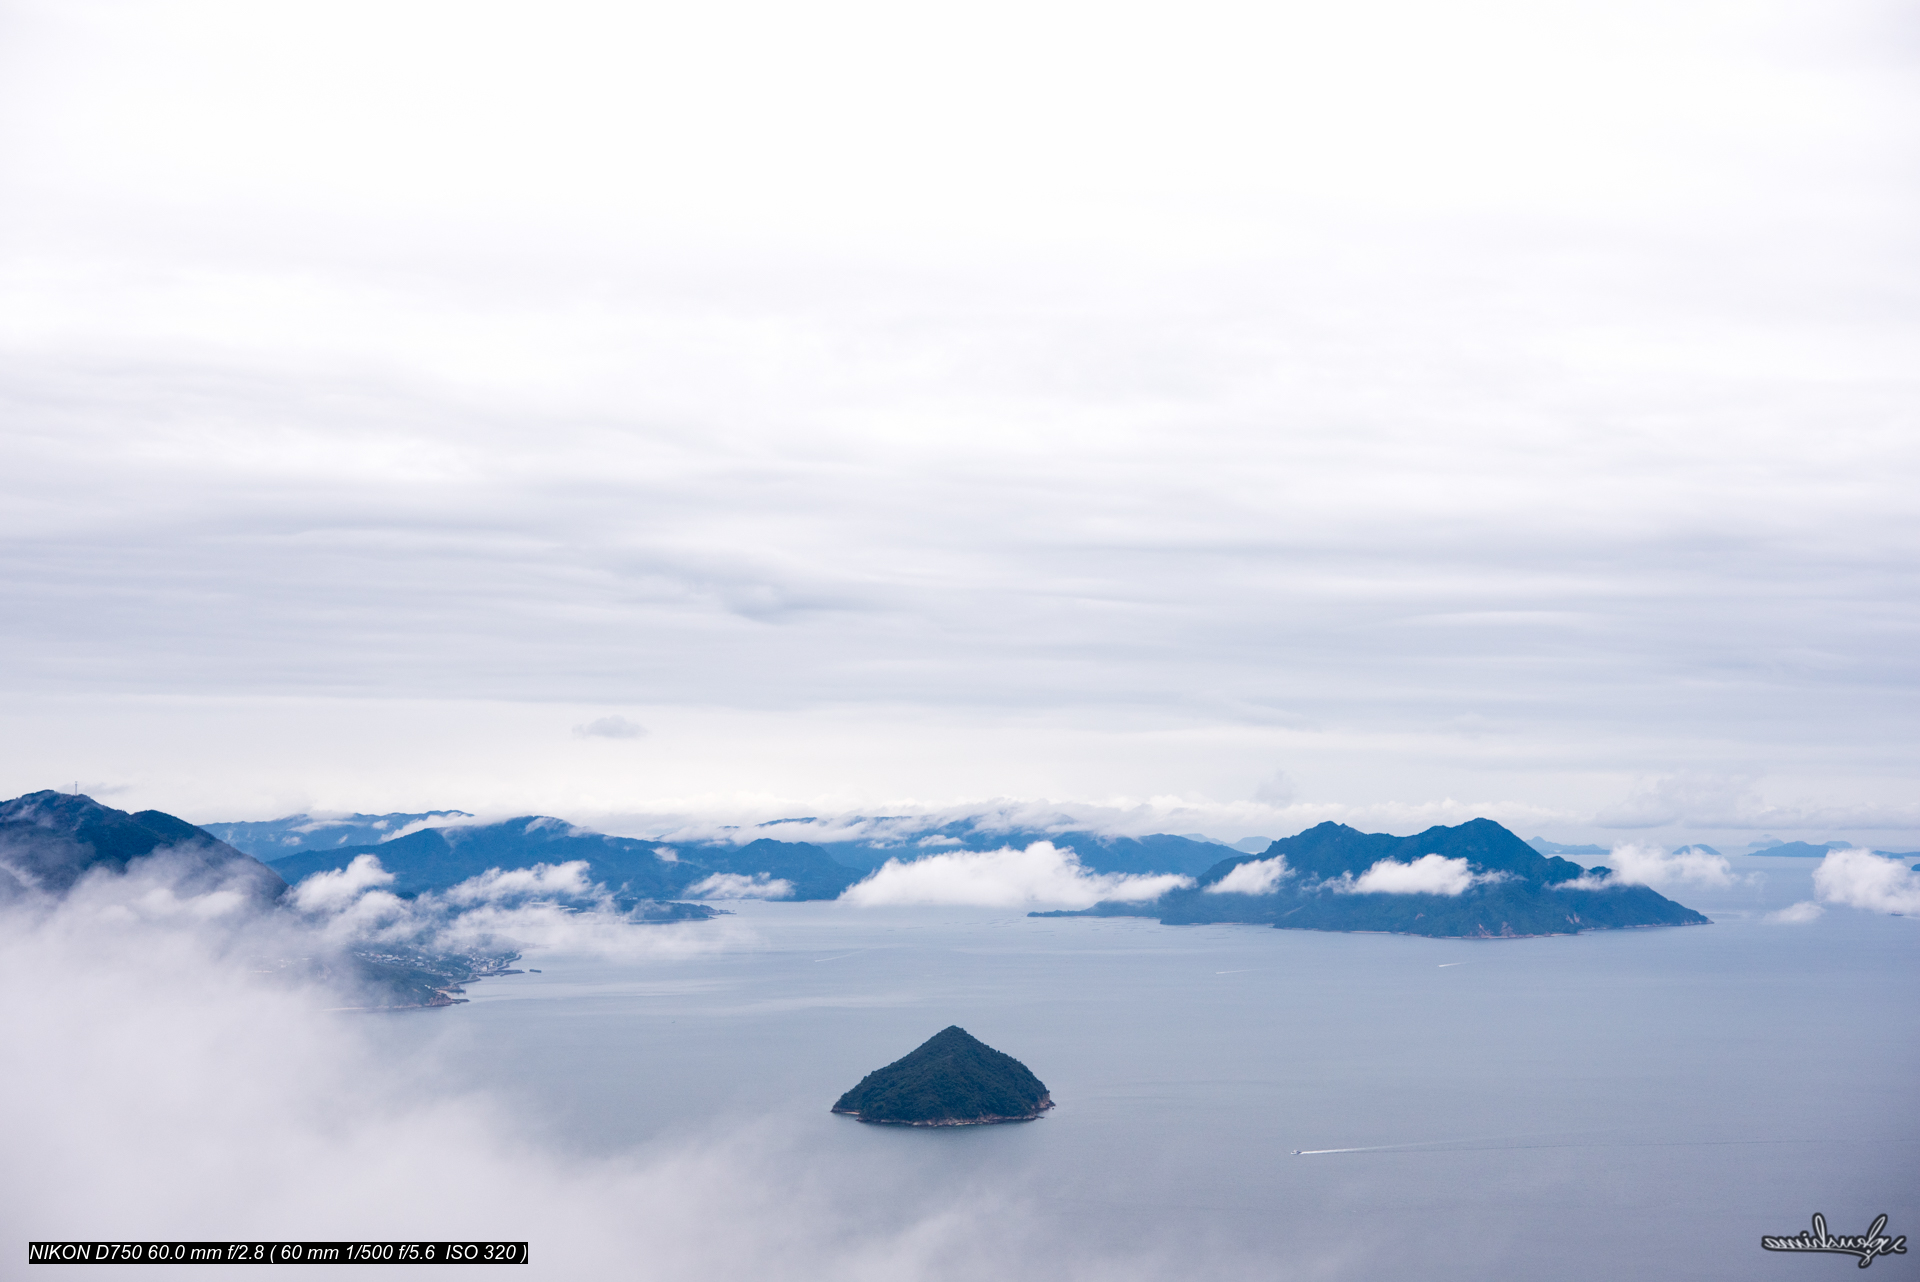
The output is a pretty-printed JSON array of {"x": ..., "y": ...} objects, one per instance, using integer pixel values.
[
  {"x": 1634, "y": 864},
  {"x": 271, "y": 1118},
  {"x": 1258, "y": 877},
  {"x": 1795, "y": 915},
  {"x": 1862, "y": 879},
  {"x": 334, "y": 890},
  {"x": 495, "y": 885},
  {"x": 1040, "y": 874},
  {"x": 733, "y": 885},
  {"x": 1427, "y": 875},
  {"x": 499, "y": 909}
]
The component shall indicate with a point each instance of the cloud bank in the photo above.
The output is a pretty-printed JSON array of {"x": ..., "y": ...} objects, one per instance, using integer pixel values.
[
  {"x": 1634, "y": 864},
  {"x": 1862, "y": 879},
  {"x": 158, "y": 1085},
  {"x": 745, "y": 437},
  {"x": 1006, "y": 878}
]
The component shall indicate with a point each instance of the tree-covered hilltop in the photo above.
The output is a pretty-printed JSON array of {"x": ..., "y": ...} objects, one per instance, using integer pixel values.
[
  {"x": 50, "y": 840},
  {"x": 951, "y": 1079},
  {"x": 1490, "y": 885}
]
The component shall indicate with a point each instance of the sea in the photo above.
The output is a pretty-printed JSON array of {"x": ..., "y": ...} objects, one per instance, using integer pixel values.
[{"x": 1237, "y": 1101}]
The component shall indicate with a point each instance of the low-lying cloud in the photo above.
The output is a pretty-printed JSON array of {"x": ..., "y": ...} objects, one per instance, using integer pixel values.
[
  {"x": 1795, "y": 914},
  {"x": 1862, "y": 879},
  {"x": 1427, "y": 875},
  {"x": 733, "y": 885},
  {"x": 1007, "y": 878},
  {"x": 161, "y": 1082},
  {"x": 548, "y": 907},
  {"x": 1633, "y": 864},
  {"x": 1258, "y": 877}
]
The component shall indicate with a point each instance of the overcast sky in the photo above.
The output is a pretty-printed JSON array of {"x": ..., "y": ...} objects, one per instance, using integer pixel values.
[{"x": 1236, "y": 414}]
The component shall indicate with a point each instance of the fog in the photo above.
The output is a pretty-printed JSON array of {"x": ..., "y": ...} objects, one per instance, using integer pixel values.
[
  {"x": 655, "y": 1101},
  {"x": 163, "y": 1082}
]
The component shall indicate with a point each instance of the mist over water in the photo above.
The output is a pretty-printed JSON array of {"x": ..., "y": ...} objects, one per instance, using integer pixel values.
[{"x": 1625, "y": 1102}]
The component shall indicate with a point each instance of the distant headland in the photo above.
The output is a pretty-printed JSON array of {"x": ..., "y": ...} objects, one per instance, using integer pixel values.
[{"x": 1476, "y": 880}]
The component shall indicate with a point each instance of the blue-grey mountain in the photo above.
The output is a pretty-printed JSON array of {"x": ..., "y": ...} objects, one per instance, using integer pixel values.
[
  {"x": 50, "y": 840},
  {"x": 1514, "y": 891},
  {"x": 631, "y": 868},
  {"x": 272, "y": 838},
  {"x": 1100, "y": 852}
]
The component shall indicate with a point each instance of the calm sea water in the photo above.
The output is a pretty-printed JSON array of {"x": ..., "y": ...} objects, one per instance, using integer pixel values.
[{"x": 1626, "y": 1103}]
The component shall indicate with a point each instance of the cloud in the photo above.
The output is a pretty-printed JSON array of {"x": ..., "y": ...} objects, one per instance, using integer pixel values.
[
  {"x": 1862, "y": 879},
  {"x": 1795, "y": 915},
  {"x": 245, "y": 1106},
  {"x": 1005, "y": 878},
  {"x": 612, "y": 727},
  {"x": 1258, "y": 877},
  {"x": 336, "y": 889},
  {"x": 1427, "y": 875},
  {"x": 732, "y": 885},
  {"x": 542, "y": 881},
  {"x": 548, "y": 907},
  {"x": 1634, "y": 864},
  {"x": 465, "y": 517}
]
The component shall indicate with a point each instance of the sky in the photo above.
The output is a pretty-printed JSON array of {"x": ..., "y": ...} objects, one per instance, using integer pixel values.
[{"x": 1217, "y": 418}]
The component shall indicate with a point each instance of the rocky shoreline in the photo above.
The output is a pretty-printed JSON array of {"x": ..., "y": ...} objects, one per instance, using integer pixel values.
[{"x": 990, "y": 1119}]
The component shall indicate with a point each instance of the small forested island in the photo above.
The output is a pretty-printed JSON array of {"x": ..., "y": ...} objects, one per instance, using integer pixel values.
[{"x": 952, "y": 1079}]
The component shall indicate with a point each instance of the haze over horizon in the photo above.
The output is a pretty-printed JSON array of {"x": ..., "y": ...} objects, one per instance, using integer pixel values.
[{"x": 1246, "y": 417}]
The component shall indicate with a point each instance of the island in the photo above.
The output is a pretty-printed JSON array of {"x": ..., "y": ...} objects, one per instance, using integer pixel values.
[
  {"x": 952, "y": 1079},
  {"x": 1476, "y": 880}
]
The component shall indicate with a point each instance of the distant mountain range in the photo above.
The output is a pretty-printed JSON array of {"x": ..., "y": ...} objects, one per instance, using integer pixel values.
[
  {"x": 1799, "y": 849},
  {"x": 633, "y": 869},
  {"x": 51, "y": 841},
  {"x": 1100, "y": 852},
  {"x": 1546, "y": 847},
  {"x": 1476, "y": 880},
  {"x": 446, "y": 850},
  {"x": 271, "y": 838}
]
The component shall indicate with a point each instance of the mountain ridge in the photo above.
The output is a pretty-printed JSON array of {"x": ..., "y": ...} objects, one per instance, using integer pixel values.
[{"x": 1487, "y": 883}]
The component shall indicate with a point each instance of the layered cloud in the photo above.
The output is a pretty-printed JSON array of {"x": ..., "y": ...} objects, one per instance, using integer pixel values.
[
  {"x": 1006, "y": 878},
  {"x": 1862, "y": 879}
]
